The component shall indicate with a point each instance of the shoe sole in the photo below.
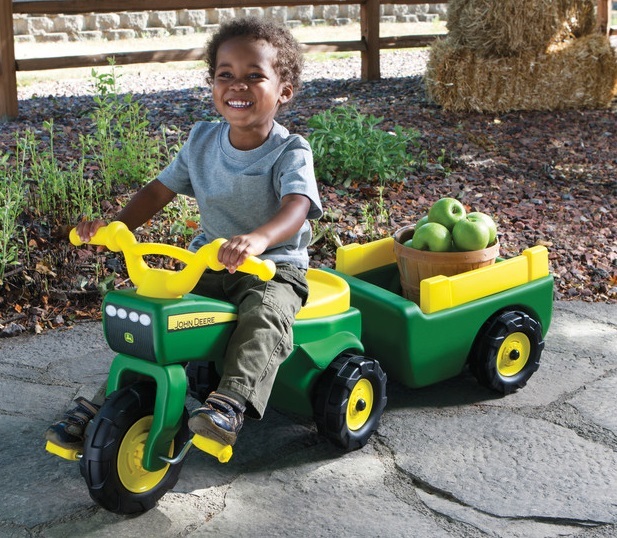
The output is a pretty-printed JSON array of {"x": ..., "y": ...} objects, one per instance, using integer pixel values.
[{"x": 203, "y": 425}]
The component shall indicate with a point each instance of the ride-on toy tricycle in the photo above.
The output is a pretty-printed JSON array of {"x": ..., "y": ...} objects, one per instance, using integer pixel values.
[
  {"x": 170, "y": 341},
  {"x": 135, "y": 445}
]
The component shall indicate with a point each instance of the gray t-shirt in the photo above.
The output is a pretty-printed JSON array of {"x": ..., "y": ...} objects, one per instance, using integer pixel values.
[{"x": 238, "y": 191}]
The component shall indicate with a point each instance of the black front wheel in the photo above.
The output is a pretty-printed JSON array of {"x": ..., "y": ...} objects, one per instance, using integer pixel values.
[
  {"x": 507, "y": 352},
  {"x": 350, "y": 399},
  {"x": 113, "y": 451}
]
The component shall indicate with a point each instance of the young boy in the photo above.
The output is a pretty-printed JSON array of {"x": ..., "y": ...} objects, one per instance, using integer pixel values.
[{"x": 254, "y": 184}]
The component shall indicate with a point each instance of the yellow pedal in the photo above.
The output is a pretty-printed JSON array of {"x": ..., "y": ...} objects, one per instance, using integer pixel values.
[
  {"x": 71, "y": 454},
  {"x": 220, "y": 451}
]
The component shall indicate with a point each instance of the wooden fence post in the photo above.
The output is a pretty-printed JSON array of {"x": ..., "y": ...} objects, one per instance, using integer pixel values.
[
  {"x": 603, "y": 16},
  {"x": 8, "y": 80},
  {"x": 369, "y": 25}
]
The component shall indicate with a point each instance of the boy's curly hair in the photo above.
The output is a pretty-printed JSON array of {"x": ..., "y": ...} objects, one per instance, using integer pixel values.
[{"x": 289, "y": 58}]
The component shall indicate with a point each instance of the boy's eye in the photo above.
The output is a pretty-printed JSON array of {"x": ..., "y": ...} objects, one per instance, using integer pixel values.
[{"x": 250, "y": 77}]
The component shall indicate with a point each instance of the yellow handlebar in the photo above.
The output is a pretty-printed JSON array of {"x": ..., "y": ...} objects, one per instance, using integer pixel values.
[{"x": 163, "y": 283}]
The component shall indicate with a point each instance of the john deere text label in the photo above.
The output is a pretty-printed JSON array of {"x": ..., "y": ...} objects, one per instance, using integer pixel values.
[{"x": 193, "y": 320}]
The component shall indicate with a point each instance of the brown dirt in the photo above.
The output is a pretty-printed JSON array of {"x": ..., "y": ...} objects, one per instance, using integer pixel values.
[{"x": 547, "y": 178}]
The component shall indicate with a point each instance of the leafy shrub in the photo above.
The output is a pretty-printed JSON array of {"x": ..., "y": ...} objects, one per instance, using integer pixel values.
[
  {"x": 123, "y": 148},
  {"x": 349, "y": 146},
  {"x": 12, "y": 203},
  {"x": 58, "y": 193}
]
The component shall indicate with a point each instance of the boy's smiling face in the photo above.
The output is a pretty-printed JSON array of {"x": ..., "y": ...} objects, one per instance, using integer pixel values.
[{"x": 247, "y": 90}]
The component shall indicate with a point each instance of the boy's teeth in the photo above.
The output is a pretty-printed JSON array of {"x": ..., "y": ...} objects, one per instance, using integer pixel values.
[{"x": 239, "y": 104}]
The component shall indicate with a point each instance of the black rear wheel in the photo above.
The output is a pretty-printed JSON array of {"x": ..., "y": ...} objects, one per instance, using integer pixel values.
[
  {"x": 113, "y": 453},
  {"x": 507, "y": 352},
  {"x": 350, "y": 399}
]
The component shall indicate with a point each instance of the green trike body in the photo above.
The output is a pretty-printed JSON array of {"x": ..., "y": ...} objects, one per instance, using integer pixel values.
[{"x": 195, "y": 328}]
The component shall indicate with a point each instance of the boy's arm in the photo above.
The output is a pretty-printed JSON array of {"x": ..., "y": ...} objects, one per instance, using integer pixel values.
[
  {"x": 288, "y": 220},
  {"x": 144, "y": 204}
]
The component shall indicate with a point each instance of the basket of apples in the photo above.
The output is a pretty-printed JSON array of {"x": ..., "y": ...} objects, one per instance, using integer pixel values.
[{"x": 447, "y": 241}]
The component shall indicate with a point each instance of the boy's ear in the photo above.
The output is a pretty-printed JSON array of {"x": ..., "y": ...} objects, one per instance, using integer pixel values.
[{"x": 287, "y": 92}]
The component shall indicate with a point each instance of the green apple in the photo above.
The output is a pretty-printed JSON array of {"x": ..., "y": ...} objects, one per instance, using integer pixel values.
[
  {"x": 492, "y": 227},
  {"x": 432, "y": 236},
  {"x": 447, "y": 212},
  {"x": 470, "y": 234},
  {"x": 422, "y": 221}
]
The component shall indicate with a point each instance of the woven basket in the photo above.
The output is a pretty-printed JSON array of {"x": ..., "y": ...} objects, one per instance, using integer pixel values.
[{"x": 415, "y": 265}]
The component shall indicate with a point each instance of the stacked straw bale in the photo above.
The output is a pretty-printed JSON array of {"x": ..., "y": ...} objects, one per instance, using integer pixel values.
[
  {"x": 509, "y": 28},
  {"x": 521, "y": 55}
]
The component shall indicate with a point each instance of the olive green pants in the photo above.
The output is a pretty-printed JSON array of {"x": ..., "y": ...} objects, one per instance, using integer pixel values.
[{"x": 263, "y": 337}]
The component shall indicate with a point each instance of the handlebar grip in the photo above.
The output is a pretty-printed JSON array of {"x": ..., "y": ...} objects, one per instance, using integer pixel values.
[
  {"x": 264, "y": 269},
  {"x": 74, "y": 238},
  {"x": 107, "y": 236}
]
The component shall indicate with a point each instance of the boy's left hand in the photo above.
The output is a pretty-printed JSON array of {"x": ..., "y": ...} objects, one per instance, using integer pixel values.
[
  {"x": 287, "y": 221},
  {"x": 237, "y": 249}
]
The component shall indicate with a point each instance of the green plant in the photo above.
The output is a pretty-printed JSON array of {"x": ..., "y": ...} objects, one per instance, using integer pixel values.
[
  {"x": 184, "y": 217},
  {"x": 61, "y": 191},
  {"x": 325, "y": 230},
  {"x": 349, "y": 146},
  {"x": 123, "y": 148},
  {"x": 445, "y": 161},
  {"x": 12, "y": 203},
  {"x": 375, "y": 217},
  {"x": 169, "y": 150},
  {"x": 58, "y": 193}
]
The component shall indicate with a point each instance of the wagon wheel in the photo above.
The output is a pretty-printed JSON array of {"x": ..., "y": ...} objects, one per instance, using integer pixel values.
[
  {"x": 507, "y": 352},
  {"x": 350, "y": 399},
  {"x": 113, "y": 451}
]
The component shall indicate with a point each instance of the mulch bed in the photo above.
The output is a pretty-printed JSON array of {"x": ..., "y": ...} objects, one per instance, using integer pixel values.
[{"x": 547, "y": 177}]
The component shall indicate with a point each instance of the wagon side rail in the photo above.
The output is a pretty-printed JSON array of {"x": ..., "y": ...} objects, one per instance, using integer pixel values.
[{"x": 441, "y": 292}]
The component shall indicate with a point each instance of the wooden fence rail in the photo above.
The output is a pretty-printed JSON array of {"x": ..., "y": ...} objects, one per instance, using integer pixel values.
[{"x": 369, "y": 43}]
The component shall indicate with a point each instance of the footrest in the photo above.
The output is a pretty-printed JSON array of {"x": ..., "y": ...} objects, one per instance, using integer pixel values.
[
  {"x": 221, "y": 452},
  {"x": 71, "y": 454}
]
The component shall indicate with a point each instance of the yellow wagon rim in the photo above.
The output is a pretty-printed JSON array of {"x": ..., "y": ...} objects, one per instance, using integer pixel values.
[
  {"x": 360, "y": 404},
  {"x": 513, "y": 354}
]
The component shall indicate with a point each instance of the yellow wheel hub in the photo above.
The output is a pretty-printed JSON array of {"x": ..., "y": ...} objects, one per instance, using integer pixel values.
[
  {"x": 131, "y": 472},
  {"x": 513, "y": 354},
  {"x": 360, "y": 404}
]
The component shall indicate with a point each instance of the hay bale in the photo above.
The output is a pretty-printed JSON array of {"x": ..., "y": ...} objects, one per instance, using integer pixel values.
[
  {"x": 581, "y": 73},
  {"x": 509, "y": 28}
]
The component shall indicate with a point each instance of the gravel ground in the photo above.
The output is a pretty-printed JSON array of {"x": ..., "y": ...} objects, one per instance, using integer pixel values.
[
  {"x": 547, "y": 178},
  {"x": 156, "y": 79}
]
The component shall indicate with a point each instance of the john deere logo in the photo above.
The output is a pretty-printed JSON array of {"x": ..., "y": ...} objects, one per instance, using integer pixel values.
[
  {"x": 129, "y": 338},
  {"x": 194, "y": 320}
]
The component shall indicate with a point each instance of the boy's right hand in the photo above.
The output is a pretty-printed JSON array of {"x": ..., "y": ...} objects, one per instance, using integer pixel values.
[{"x": 87, "y": 228}]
